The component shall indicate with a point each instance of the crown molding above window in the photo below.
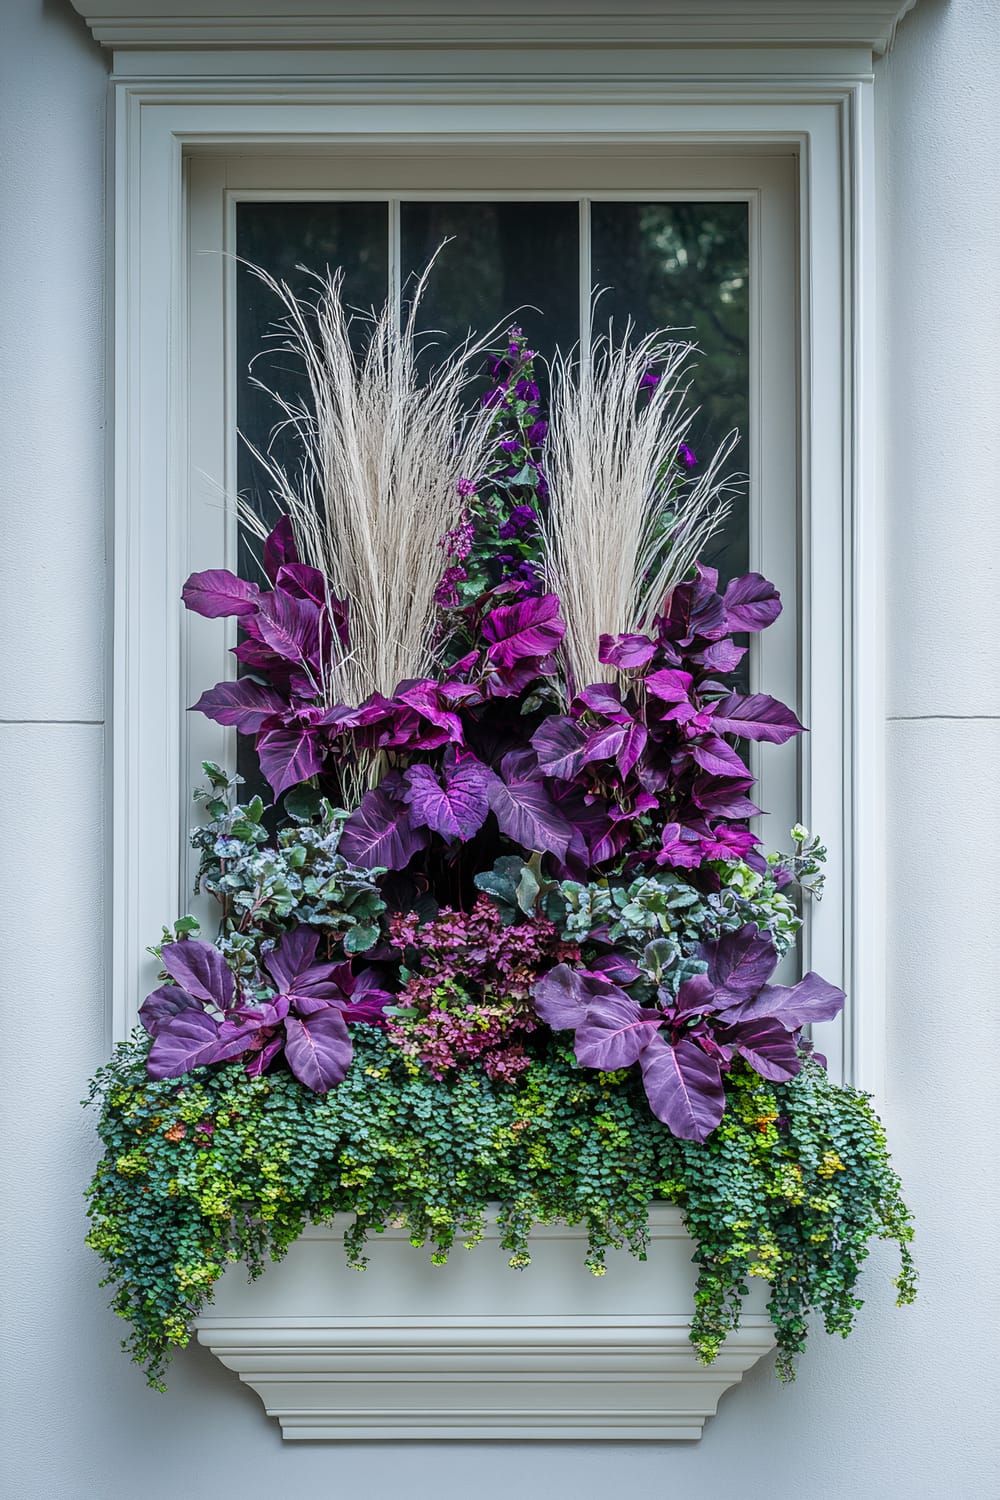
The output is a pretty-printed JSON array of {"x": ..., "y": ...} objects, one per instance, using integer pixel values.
[{"x": 237, "y": 25}]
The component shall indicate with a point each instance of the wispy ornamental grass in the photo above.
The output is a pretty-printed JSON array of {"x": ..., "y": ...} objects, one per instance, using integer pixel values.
[
  {"x": 625, "y": 523},
  {"x": 383, "y": 451}
]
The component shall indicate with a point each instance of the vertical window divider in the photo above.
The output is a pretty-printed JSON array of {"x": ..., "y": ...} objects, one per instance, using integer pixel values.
[
  {"x": 585, "y": 274},
  {"x": 395, "y": 291}
]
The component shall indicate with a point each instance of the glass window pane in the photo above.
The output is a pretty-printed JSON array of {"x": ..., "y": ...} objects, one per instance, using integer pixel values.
[
  {"x": 280, "y": 237},
  {"x": 686, "y": 266},
  {"x": 505, "y": 259}
]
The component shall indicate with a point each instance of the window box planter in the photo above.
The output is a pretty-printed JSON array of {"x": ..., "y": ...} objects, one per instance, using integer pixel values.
[{"x": 409, "y": 1350}]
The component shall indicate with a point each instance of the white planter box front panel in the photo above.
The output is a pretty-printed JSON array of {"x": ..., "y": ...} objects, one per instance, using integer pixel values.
[{"x": 474, "y": 1349}]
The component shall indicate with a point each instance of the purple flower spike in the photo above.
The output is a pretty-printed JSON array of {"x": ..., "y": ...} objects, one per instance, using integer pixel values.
[{"x": 686, "y": 456}]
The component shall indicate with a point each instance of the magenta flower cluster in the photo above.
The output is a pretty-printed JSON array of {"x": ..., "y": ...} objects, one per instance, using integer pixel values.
[{"x": 467, "y": 984}]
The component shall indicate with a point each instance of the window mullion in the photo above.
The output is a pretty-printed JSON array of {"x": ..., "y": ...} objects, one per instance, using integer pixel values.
[
  {"x": 586, "y": 279},
  {"x": 395, "y": 289}
]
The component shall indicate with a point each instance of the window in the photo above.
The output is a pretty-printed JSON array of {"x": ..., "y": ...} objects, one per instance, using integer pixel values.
[
  {"x": 791, "y": 139},
  {"x": 698, "y": 242}
]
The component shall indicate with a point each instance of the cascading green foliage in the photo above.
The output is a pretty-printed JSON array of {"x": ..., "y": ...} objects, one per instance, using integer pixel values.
[{"x": 217, "y": 1167}]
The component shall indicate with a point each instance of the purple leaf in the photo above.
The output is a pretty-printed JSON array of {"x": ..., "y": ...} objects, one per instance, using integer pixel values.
[
  {"x": 718, "y": 758},
  {"x": 695, "y": 997},
  {"x": 200, "y": 969},
  {"x": 299, "y": 581},
  {"x": 615, "y": 966},
  {"x": 680, "y": 847},
  {"x": 218, "y": 593},
  {"x": 720, "y": 656},
  {"x": 601, "y": 698},
  {"x": 290, "y": 756},
  {"x": 460, "y": 808},
  {"x": 767, "y": 1047},
  {"x": 165, "y": 1003},
  {"x": 380, "y": 834},
  {"x": 368, "y": 1000},
  {"x": 189, "y": 1040},
  {"x": 758, "y": 717},
  {"x": 696, "y": 610},
  {"x": 563, "y": 994},
  {"x": 530, "y": 628},
  {"x": 244, "y": 703},
  {"x": 669, "y": 685},
  {"x": 740, "y": 963},
  {"x": 318, "y": 1049},
  {"x": 289, "y": 626},
  {"x": 632, "y": 746},
  {"x": 684, "y": 1087},
  {"x": 525, "y": 810},
  {"x": 561, "y": 746},
  {"x": 280, "y": 548},
  {"x": 812, "y": 999},
  {"x": 751, "y": 603},
  {"x": 265, "y": 1056},
  {"x": 425, "y": 697},
  {"x": 291, "y": 957},
  {"x": 626, "y": 652},
  {"x": 614, "y": 1032},
  {"x": 722, "y": 799},
  {"x": 606, "y": 743}
]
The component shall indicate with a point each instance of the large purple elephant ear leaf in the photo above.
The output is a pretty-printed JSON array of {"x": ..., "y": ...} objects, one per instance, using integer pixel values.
[
  {"x": 189, "y": 1040},
  {"x": 562, "y": 995},
  {"x": 767, "y": 1047},
  {"x": 318, "y": 1049},
  {"x": 290, "y": 756},
  {"x": 528, "y": 629},
  {"x": 684, "y": 1088},
  {"x": 245, "y": 703},
  {"x": 525, "y": 811},
  {"x": 627, "y": 652},
  {"x": 812, "y": 999},
  {"x": 163, "y": 1004},
  {"x": 289, "y": 626},
  {"x": 740, "y": 963},
  {"x": 669, "y": 684},
  {"x": 200, "y": 969},
  {"x": 757, "y": 717},
  {"x": 280, "y": 548},
  {"x": 751, "y": 603},
  {"x": 459, "y": 808},
  {"x": 614, "y": 1032},
  {"x": 292, "y": 955},
  {"x": 380, "y": 834},
  {"x": 217, "y": 594}
]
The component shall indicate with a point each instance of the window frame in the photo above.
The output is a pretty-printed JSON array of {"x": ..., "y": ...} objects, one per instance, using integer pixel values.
[{"x": 826, "y": 122}]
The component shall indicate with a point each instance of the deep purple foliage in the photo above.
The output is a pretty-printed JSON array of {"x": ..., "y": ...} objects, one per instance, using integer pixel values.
[
  {"x": 685, "y": 1043},
  {"x": 201, "y": 1018},
  {"x": 486, "y": 763}
]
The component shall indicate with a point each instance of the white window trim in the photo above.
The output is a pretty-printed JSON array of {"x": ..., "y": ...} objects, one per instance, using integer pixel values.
[{"x": 817, "y": 102}]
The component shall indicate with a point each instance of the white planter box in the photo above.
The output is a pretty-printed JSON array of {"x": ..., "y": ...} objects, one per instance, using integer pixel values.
[{"x": 474, "y": 1349}]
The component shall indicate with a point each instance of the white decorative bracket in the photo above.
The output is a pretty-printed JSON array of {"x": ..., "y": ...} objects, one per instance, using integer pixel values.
[{"x": 408, "y": 1350}]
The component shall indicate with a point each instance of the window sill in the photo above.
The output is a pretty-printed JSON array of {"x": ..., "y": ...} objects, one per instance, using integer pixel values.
[{"x": 475, "y": 1350}]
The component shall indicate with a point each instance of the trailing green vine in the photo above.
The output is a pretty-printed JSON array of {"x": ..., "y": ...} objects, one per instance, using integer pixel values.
[{"x": 218, "y": 1167}]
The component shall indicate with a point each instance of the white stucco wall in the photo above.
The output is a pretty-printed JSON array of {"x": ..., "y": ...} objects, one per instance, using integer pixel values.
[{"x": 902, "y": 1410}]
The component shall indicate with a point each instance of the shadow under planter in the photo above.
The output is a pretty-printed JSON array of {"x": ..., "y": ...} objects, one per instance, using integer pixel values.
[{"x": 473, "y": 1349}]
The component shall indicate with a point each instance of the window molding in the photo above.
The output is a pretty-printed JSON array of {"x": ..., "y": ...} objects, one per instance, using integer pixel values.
[
  {"x": 817, "y": 103},
  {"x": 170, "y": 24}
]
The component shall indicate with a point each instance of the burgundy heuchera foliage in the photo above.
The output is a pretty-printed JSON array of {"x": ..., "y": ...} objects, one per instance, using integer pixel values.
[{"x": 466, "y": 990}]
